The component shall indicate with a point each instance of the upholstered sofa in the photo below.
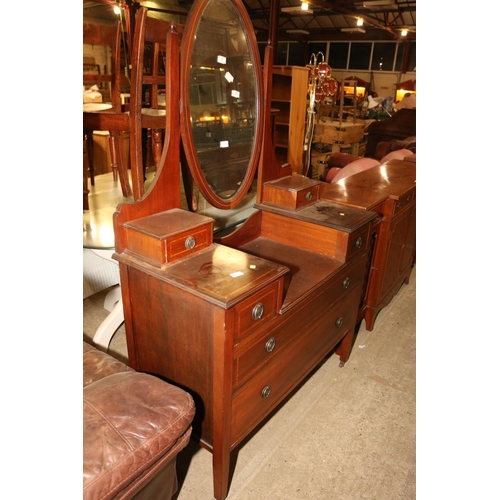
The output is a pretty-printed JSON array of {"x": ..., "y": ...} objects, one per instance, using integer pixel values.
[{"x": 134, "y": 425}]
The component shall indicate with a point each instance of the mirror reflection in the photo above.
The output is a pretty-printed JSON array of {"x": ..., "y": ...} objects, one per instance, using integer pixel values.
[{"x": 222, "y": 103}]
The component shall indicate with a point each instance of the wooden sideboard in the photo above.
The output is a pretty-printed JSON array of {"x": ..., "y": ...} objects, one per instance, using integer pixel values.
[{"x": 390, "y": 190}]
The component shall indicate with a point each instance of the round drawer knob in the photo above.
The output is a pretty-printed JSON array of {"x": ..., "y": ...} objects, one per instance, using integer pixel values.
[
  {"x": 190, "y": 242},
  {"x": 398, "y": 205},
  {"x": 270, "y": 344},
  {"x": 258, "y": 311},
  {"x": 359, "y": 242},
  {"x": 339, "y": 322},
  {"x": 347, "y": 282},
  {"x": 266, "y": 392},
  {"x": 309, "y": 196},
  {"x": 408, "y": 198}
]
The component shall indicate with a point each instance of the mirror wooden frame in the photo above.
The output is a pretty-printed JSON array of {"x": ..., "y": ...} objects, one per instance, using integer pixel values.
[{"x": 188, "y": 40}]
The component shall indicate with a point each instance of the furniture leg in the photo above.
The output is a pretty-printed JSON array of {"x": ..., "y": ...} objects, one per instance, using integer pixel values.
[
  {"x": 345, "y": 347},
  {"x": 85, "y": 176},
  {"x": 116, "y": 149},
  {"x": 220, "y": 465},
  {"x": 157, "y": 145},
  {"x": 90, "y": 153}
]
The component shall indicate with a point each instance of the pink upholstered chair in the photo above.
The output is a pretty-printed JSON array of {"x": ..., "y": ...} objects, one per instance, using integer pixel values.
[
  {"x": 398, "y": 154},
  {"x": 352, "y": 168}
]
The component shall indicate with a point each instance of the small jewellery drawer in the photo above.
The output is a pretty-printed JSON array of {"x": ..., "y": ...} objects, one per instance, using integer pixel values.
[
  {"x": 256, "y": 310},
  {"x": 165, "y": 237},
  {"x": 187, "y": 242},
  {"x": 393, "y": 206},
  {"x": 292, "y": 192}
]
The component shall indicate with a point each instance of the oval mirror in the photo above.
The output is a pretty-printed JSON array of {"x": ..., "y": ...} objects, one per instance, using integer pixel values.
[{"x": 221, "y": 87}]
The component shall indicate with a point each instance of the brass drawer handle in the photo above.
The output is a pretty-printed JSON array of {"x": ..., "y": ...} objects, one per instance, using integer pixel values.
[
  {"x": 270, "y": 344},
  {"x": 347, "y": 282},
  {"x": 258, "y": 311},
  {"x": 309, "y": 196},
  {"x": 359, "y": 242},
  {"x": 190, "y": 242},
  {"x": 266, "y": 392},
  {"x": 339, "y": 322}
]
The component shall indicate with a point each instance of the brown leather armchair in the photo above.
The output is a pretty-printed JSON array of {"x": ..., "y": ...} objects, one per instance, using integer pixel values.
[{"x": 134, "y": 425}]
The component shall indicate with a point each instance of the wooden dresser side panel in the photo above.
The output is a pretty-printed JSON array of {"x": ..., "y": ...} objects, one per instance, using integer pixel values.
[
  {"x": 173, "y": 337},
  {"x": 304, "y": 235}
]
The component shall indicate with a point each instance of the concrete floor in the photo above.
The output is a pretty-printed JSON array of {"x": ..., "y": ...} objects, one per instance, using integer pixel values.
[{"x": 345, "y": 433}]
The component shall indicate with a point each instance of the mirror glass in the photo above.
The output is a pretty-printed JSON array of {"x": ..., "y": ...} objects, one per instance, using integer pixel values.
[{"x": 221, "y": 104}]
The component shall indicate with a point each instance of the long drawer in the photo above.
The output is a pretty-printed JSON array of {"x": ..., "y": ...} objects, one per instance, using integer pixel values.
[{"x": 260, "y": 394}]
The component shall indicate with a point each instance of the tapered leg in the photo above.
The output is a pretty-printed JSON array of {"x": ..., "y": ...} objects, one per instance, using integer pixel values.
[
  {"x": 117, "y": 161},
  {"x": 157, "y": 145},
  {"x": 345, "y": 347},
  {"x": 220, "y": 465}
]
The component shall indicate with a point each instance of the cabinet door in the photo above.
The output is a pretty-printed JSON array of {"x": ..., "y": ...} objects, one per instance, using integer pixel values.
[
  {"x": 408, "y": 251},
  {"x": 395, "y": 244}
]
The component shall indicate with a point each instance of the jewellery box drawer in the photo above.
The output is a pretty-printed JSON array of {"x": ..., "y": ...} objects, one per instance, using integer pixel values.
[
  {"x": 292, "y": 192},
  {"x": 165, "y": 237}
]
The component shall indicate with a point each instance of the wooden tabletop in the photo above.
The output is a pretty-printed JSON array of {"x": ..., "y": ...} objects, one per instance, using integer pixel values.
[{"x": 371, "y": 187}]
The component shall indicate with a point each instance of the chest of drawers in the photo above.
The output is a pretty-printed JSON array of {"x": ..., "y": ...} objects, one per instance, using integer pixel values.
[{"x": 390, "y": 190}]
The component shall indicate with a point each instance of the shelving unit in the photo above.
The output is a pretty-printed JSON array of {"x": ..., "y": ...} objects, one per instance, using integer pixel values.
[{"x": 289, "y": 96}]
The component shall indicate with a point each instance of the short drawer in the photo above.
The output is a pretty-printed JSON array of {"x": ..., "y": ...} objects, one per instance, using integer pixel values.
[
  {"x": 257, "y": 310},
  {"x": 163, "y": 238},
  {"x": 358, "y": 243},
  {"x": 262, "y": 392},
  {"x": 292, "y": 192},
  {"x": 183, "y": 244},
  {"x": 393, "y": 206}
]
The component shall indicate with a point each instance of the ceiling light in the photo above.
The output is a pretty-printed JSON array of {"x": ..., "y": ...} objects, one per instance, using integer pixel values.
[
  {"x": 404, "y": 32},
  {"x": 296, "y": 9},
  {"x": 378, "y": 3},
  {"x": 353, "y": 30},
  {"x": 359, "y": 22},
  {"x": 302, "y": 32},
  {"x": 304, "y": 6}
]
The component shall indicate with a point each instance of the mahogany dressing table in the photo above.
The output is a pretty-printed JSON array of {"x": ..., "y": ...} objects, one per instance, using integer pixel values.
[{"x": 241, "y": 320}]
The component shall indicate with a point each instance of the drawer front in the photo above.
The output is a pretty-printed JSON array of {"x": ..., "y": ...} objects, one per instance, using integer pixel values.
[
  {"x": 269, "y": 344},
  {"x": 307, "y": 196},
  {"x": 261, "y": 393},
  {"x": 190, "y": 241},
  {"x": 393, "y": 206},
  {"x": 257, "y": 310},
  {"x": 358, "y": 243}
]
